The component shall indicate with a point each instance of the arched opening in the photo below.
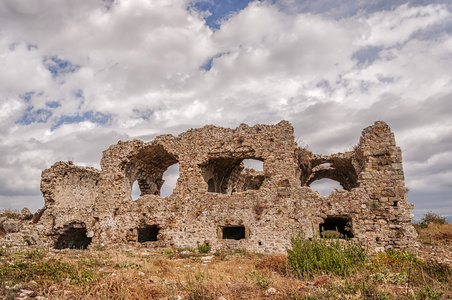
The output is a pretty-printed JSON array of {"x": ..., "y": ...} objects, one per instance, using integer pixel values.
[
  {"x": 73, "y": 237},
  {"x": 325, "y": 186},
  {"x": 136, "y": 193},
  {"x": 211, "y": 186},
  {"x": 335, "y": 226},
  {"x": 231, "y": 175},
  {"x": 146, "y": 171},
  {"x": 170, "y": 177},
  {"x": 337, "y": 169},
  {"x": 254, "y": 164}
]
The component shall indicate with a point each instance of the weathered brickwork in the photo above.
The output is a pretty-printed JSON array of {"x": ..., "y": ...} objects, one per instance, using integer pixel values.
[{"x": 218, "y": 201}]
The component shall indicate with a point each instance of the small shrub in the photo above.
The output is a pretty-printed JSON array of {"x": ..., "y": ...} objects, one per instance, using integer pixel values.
[
  {"x": 204, "y": 247},
  {"x": 196, "y": 289},
  {"x": 221, "y": 254},
  {"x": 168, "y": 252},
  {"x": 127, "y": 265},
  {"x": 388, "y": 276},
  {"x": 259, "y": 279},
  {"x": 36, "y": 254},
  {"x": 392, "y": 258},
  {"x": 189, "y": 249},
  {"x": 340, "y": 257},
  {"x": 428, "y": 293},
  {"x": 431, "y": 217}
]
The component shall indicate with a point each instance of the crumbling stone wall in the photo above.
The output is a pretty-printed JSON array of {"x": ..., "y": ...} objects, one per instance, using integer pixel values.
[{"x": 218, "y": 201}]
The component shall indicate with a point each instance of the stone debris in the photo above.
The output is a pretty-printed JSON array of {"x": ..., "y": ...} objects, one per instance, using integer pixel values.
[
  {"x": 270, "y": 291},
  {"x": 25, "y": 214},
  {"x": 12, "y": 225},
  {"x": 217, "y": 200}
]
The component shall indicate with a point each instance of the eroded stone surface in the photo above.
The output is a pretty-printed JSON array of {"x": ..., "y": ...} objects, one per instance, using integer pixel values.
[{"x": 219, "y": 202}]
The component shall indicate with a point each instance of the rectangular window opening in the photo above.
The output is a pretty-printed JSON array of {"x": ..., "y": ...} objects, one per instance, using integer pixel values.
[
  {"x": 148, "y": 233},
  {"x": 234, "y": 233},
  {"x": 336, "y": 227}
]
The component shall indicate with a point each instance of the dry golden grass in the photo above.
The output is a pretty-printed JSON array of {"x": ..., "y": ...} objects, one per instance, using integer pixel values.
[
  {"x": 436, "y": 233},
  {"x": 186, "y": 274}
]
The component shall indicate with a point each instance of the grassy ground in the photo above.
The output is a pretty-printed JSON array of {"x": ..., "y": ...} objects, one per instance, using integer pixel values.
[{"x": 342, "y": 272}]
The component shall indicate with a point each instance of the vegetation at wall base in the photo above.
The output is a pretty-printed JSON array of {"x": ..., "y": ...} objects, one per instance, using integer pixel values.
[
  {"x": 204, "y": 247},
  {"x": 312, "y": 269},
  {"x": 311, "y": 256}
]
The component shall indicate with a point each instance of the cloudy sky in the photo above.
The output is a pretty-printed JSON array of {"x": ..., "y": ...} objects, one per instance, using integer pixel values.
[{"x": 77, "y": 76}]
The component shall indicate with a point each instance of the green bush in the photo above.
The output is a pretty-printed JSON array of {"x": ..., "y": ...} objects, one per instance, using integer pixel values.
[
  {"x": 259, "y": 279},
  {"x": 429, "y": 293},
  {"x": 431, "y": 217},
  {"x": 204, "y": 247},
  {"x": 341, "y": 257}
]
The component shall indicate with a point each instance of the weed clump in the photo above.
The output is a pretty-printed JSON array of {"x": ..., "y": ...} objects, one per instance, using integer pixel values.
[
  {"x": 340, "y": 257},
  {"x": 9, "y": 213},
  {"x": 51, "y": 270},
  {"x": 204, "y": 247},
  {"x": 259, "y": 279}
]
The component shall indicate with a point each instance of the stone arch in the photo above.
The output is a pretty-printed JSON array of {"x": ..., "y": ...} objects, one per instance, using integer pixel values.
[
  {"x": 147, "y": 168},
  {"x": 228, "y": 175},
  {"x": 339, "y": 169}
]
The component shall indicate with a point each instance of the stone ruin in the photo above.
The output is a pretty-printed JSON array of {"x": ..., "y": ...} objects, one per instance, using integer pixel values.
[{"x": 220, "y": 202}]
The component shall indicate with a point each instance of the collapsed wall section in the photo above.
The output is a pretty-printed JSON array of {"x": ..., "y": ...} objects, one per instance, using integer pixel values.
[{"x": 65, "y": 185}]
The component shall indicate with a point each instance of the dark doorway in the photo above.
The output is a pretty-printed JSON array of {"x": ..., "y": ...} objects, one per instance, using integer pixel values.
[
  {"x": 234, "y": 233},
  {"x": 148, "y": 233},
  {"x": 336, "y": 227},
  {"x": 73, "y": 238},
  {"x": 211, "y": 186}
]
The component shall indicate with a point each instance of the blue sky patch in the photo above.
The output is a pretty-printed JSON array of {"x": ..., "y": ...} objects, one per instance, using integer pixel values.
[
  {"x": 219, "y": 9},
  {"x": 58, "y": 67},
  {"x": 79, "y": 94},
  {"x": 208, "y": 64},
  {"x": 338, "y": 9},
  {"x": 27, "y": 96},
  {"x": 92, "y": 116},
  {"x": 367, "y": 55},
  {"x": 144, "y": 114},
  {"x": 34, "y": 116},
  {"x": 53, "y": 104}
]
